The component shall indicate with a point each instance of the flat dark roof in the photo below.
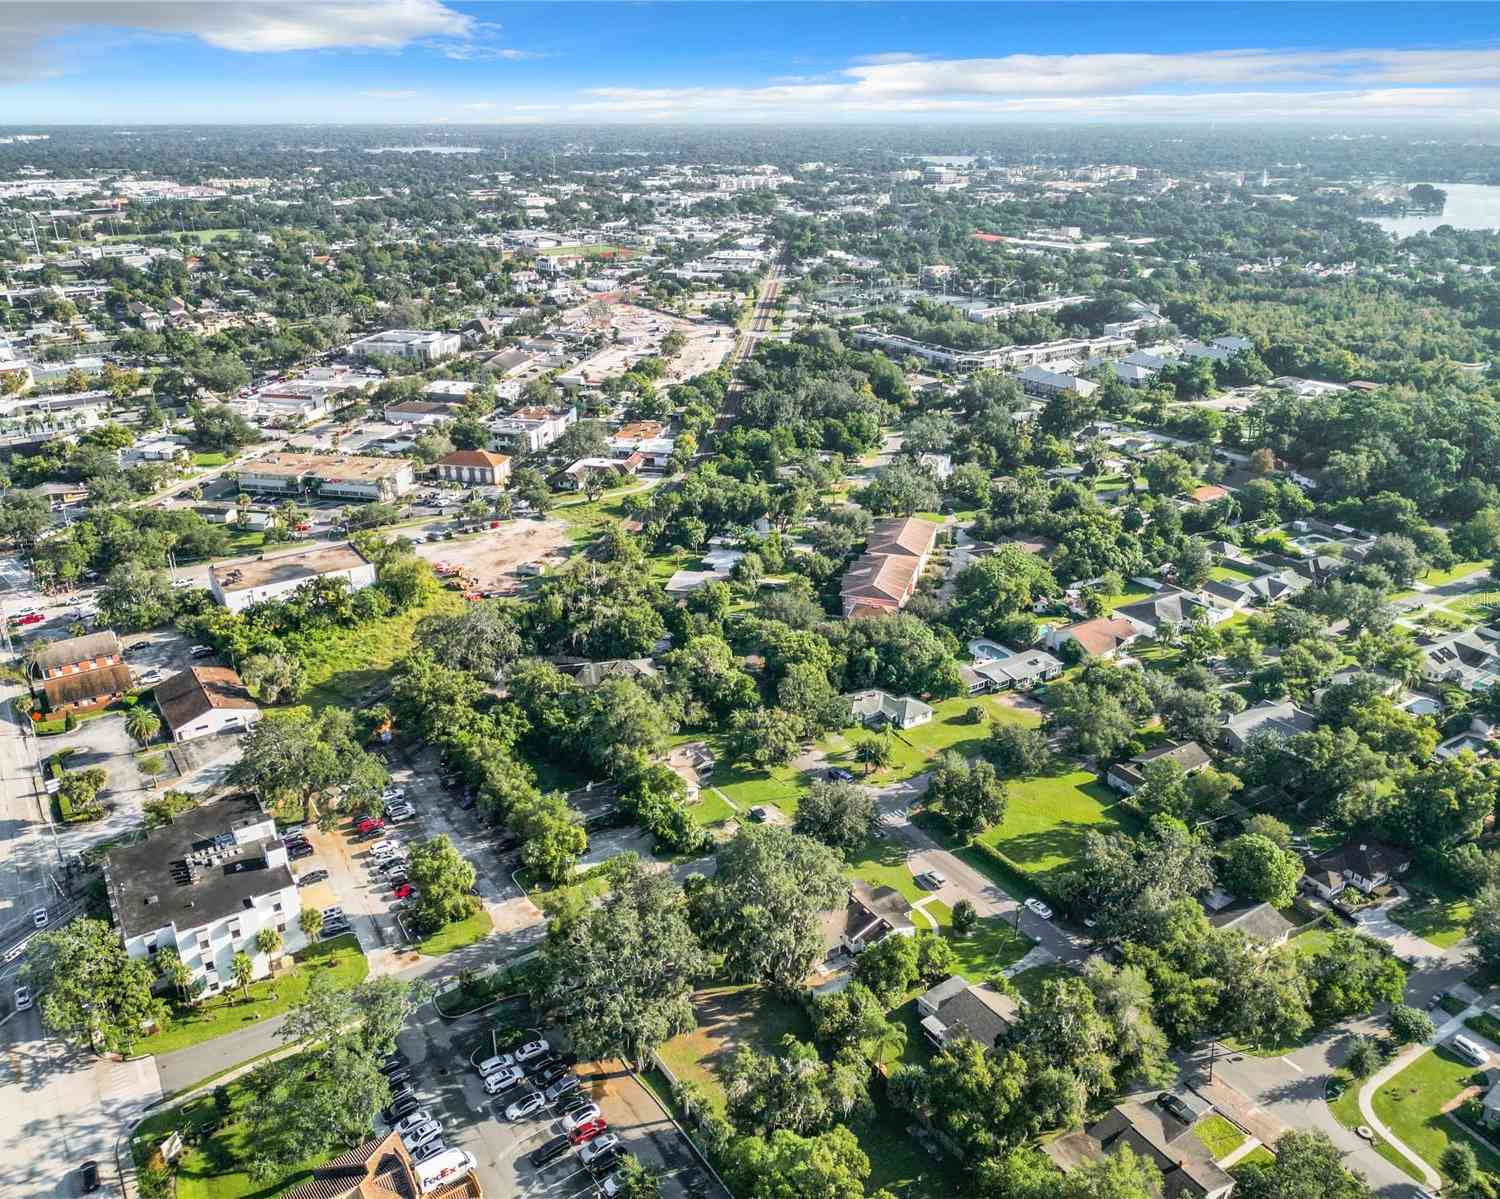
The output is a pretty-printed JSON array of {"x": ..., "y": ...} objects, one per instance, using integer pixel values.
[{"x": 152, "y": 867}]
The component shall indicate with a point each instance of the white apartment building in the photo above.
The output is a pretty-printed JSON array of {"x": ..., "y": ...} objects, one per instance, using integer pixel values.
[
  {"x": 238, "y": 585},
  {"x": 206, "y": 885},
  {"x": 419, "y": 345},
  {"x": 331, "y": 476},
  {"x": 527, "y": 430}
]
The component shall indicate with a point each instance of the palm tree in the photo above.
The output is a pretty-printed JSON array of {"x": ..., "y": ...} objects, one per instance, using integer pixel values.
[
  {"x": 142, "y": 724},
  {"x": 888, "y": 1045},
  {"x": 175, "y": 970},
  {"x": 873, "y": 752},
  {"x": 244, "y": 971},
  {"x": 311, "y": 923},
  {"x": 268, "y": 942}
]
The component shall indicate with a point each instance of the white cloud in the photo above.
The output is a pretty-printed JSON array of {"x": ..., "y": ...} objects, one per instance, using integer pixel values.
[
  {"x": 1217, "y": 85},
  {"x": 478, "y": 106},
  {"x": 246, "y": 26},
  {"x": 378, "y": 94}
]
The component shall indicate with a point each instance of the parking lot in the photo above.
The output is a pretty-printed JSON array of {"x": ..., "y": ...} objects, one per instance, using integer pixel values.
[{"x": 451, "y": 1090}]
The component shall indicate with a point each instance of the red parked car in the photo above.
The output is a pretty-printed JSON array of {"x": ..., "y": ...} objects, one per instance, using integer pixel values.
[
  {"x": 403, "y": 891},
  {"x": 31, "y": 618},
  {"x": 587, "y": 1132},
  {"x": 371, "y": 825}
]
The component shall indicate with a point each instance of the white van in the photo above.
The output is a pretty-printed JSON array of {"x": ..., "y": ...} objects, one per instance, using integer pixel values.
[
  {"x": 1470, "y": 1051},
  {"x": 447, "y": 1167}
]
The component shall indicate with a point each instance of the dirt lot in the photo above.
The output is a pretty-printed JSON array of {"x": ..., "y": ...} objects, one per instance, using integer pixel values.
[
  {"x": 494, "y": 556},
  {"x": 702, "y": 353}
]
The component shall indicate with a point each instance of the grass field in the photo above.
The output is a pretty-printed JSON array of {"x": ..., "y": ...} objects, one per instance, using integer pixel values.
[
  {"x": 1132, "y": 594},
  {"x": 990, "y": 946},
  {"x": 1437, "y": 578},
  {"x": 1219, "y": 1136},
  {"x": 1047, "y": 818},
  {"x": 343, "y": 665},
  {"x": 1411, "y": 1106},
  {"x": 191, "y": 1025},
  {"x": 456, "y": 936},
  {"x": 1346, "y": 1111},
  {"x": 1230, "y": 574},
  {"x": 1435, "y": 912},
  {"x": 1029, "y": 983},
  {"x": 210, "y": 459},
  {"x": 749, "y": 1015},
  {"x": 213, "y": 1167}
]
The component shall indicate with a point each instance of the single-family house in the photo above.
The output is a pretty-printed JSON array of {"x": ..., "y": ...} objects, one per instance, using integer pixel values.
[
  {"x": 693, "y": 762},
  {"x": 1101, "y": 637},
  {"x": 1126, "y": 777},
  {"x": 1019, "y": 672},
  {"x": 1253, "y": 918},
  {"x": 1467, "y": 659},
  {"x": 957, "y": 1008},
  {"x": 1365, "y": 864},
  {"x": 591, "y": 674},
  {"x": 1283, "y": 718},
  {"x": 878, "y": 709},
  {"x": 870, "y": 914},
  {"x": 1172, "y": 606},
  {"x": 1149, "y": 1130}
]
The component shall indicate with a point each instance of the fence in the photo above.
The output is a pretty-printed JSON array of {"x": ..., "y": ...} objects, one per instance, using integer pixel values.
[{"x": 671, "y": 1078}]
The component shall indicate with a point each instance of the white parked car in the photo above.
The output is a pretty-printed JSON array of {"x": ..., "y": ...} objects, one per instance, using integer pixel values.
[
  {"x": 490, "y": 1064},
  {"x": 525, "y": 1106},
  {"x": 418, "y": 1118},
  {"x": 532, "y": 1049},
  {"x": 598, "y": 1147},
  {"x": 386, "y": 849},
  {"x": 1039, "y": 908},
  {"x": 502, "y": 1080},
  {"x": 23, "y": 998},
  {"x": 421, "y": 1134},
  {"x": 400, "y": 812},
  {"x": 582, "y": 1116}
]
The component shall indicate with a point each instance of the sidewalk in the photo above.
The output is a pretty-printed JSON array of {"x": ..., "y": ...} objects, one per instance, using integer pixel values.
[{"x": 1367, "y": 1109}]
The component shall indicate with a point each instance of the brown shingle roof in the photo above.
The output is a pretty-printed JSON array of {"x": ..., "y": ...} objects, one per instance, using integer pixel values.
[
  {"x": 73, "y": 650},
  {"x": 905, "y": 536},
  {"x": 880, "y": 575},
  {"x": 194, "y": 693},
  {"x": 473, "y": 458},
  {"x": 87, "y": 685}
]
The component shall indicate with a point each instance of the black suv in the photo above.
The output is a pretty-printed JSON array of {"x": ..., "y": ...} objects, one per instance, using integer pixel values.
[{"x": 549, "y": 1150}]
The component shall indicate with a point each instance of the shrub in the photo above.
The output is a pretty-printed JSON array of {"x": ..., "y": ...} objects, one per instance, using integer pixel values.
[
  {"x": 965, "y": 916},
  {"x": 1409, "y": 1024}
]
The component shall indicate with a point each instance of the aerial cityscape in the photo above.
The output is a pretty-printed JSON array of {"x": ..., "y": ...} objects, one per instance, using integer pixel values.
[{"x": 749, "y": 601}]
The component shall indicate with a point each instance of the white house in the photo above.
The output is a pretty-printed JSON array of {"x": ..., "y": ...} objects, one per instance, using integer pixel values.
[
  {"x": 203, "y": 701},
  {"x": 206, "y": 885},
  {"x": 240, "y": 584},
  {"x": 879, "y": 708}
]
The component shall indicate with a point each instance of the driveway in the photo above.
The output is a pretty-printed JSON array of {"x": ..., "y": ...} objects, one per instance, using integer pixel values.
[{"x": 893, "y": 810}]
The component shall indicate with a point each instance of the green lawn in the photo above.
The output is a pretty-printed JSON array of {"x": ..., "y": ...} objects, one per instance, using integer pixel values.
[
  {"x": 1028, "y": 983},
  {"x": 210, "y": 459},
  {"x": 1435, "y": 912},
  {"x": 991, "y": 945},
  {"x": 750, "y": 1015},
  {"x": 1230, "y": 574},
  {"x": 913, "y": 750},
  {"x": 344, "y": 665},
  {"x": 456, "y": 936},
  {"x": 1259, "y": 1156},
  {"x": 1132, "y": 594},
  {"x": 711, "y": 808},
  {"x": 190, "y": 1025},
  {"x": 1437, "y": 578},
  {"x": 1345, "y": 1109},
  {"x": 1047, "y": 818},
  {"x": 1410, "y": 1105},
  {"x": 213, "y": 1165},
  {"x": 1219, "y": 1136}
]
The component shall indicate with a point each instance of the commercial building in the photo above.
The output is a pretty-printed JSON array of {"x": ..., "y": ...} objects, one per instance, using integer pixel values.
[
  {"x": 417, "y": 345},
  {"x": 527, "y": 430},
  {"x": 81, "y": 673},
  {"x": 203, "y": 701},
  {"x": 332, "y": 476},
  {"x": 206, "y": 885},
  {"x": 474, "y": 466},
  {"x": 241, "y": 584}
]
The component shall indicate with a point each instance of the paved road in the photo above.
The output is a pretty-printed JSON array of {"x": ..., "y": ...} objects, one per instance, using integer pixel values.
[{"x": 59, "y": 1108}]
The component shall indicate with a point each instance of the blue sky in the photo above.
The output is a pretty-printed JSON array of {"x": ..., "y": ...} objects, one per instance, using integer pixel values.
[{"x": 419, "y": 61}]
